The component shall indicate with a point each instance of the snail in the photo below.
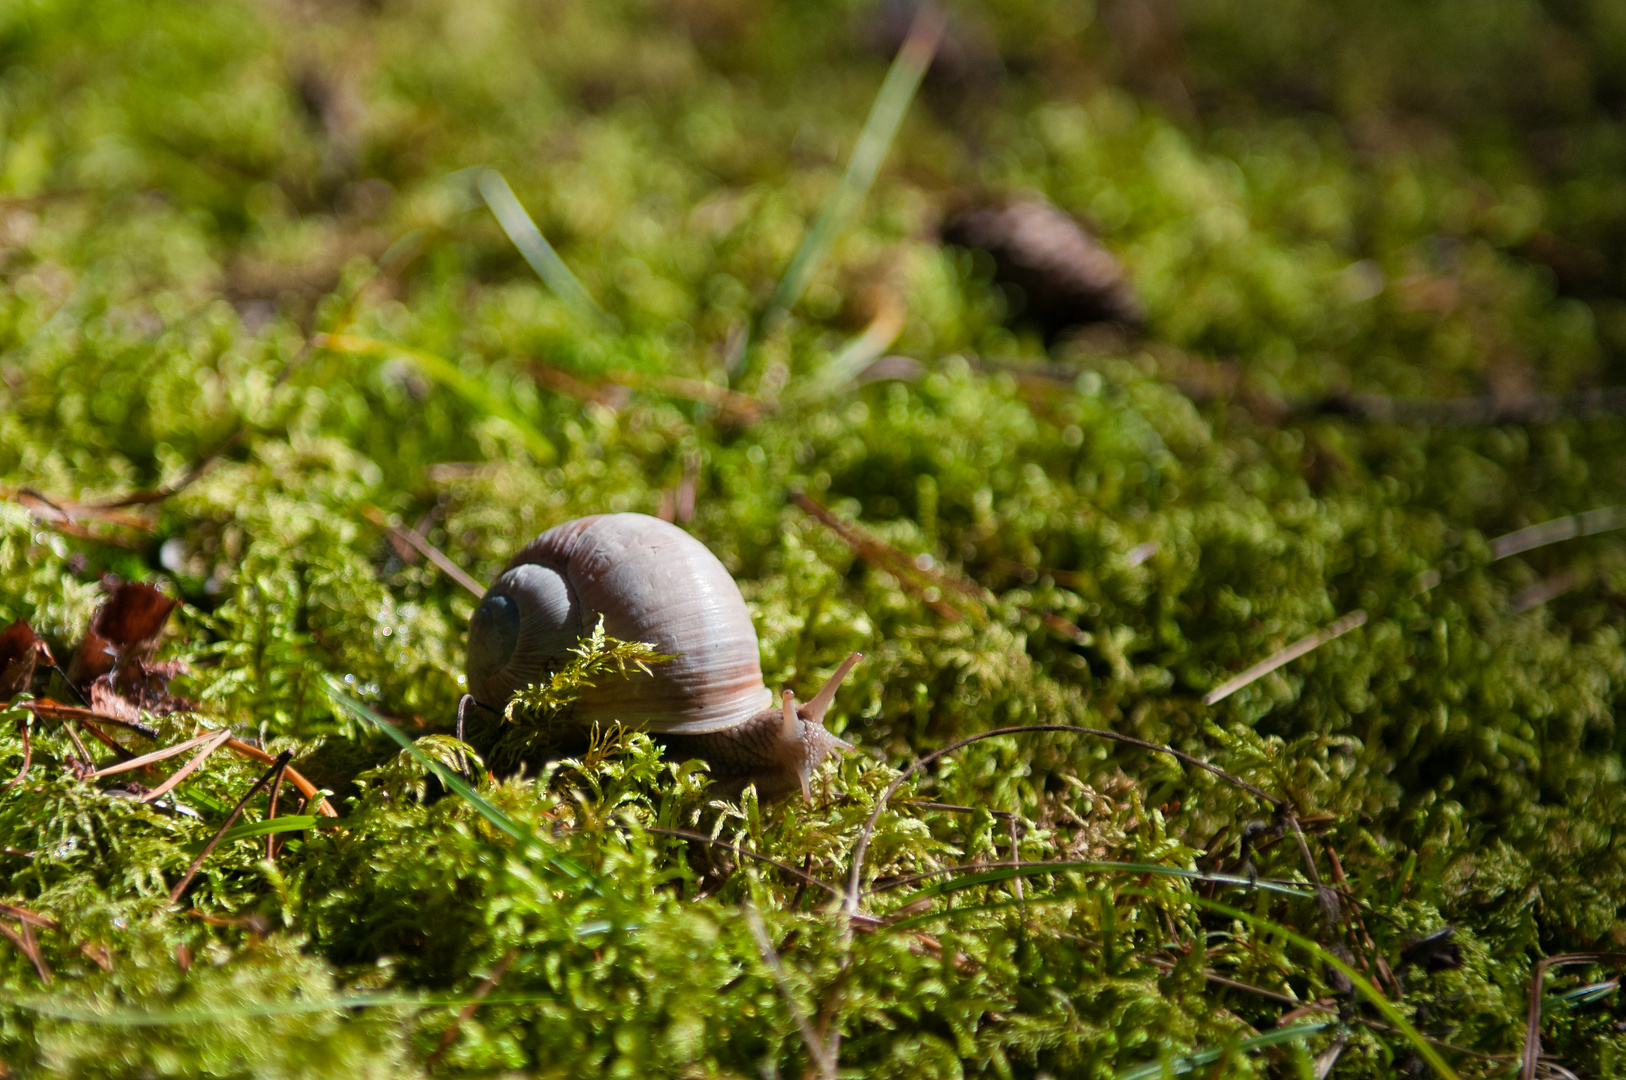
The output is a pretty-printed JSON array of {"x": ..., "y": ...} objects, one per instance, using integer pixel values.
[{"x": 650, "y": 581}]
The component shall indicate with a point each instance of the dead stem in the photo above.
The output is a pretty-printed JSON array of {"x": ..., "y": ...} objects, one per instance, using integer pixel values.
[
  {"x": 429, "y": 551},
  {"x": 1603, "y": 519},
  {"x": 28, "y": 947},
  {"x": 47, "y": 707},
  {"x": 883, "y": 556},
  {"x": 211, "y": 742},
  {"x": 276, "y": 769},
  {"x": 314, "y": 796},
  {"x": 1332, "y": 630},
  {"x": 448, "y": 1036},
  {"x": 1532, "y": 1020},
  {"x": 271, "y": 812}
]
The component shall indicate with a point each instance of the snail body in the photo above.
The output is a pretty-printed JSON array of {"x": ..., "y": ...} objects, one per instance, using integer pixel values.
[{"x": 650, "y": 581}]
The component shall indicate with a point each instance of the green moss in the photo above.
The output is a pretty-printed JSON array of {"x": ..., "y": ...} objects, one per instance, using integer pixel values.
[{"x": 1407, "y": 201}]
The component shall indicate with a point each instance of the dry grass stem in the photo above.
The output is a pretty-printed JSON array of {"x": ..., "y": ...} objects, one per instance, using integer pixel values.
[
  {"x": 449, "y": 1036},
  {"x": 1603, "y": 519},
  {"x": 210, "y": 744},
  {"x": 1309, "y": 643},
  {"x": 428, "y": 550}
]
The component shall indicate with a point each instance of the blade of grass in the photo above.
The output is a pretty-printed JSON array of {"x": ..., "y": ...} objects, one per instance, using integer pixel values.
[
  {"x": 449, "y": 375},
  {"x": 1036, "y": 869},
  {"x": 501, "y": 821},
  {"x": 846, "y": 365},
  {"x": 287, "y": 823},
  {"x": 538, "y": 252},
  {"x": 1199, "y": 1058},
  {"x": 885, "y": 117}
]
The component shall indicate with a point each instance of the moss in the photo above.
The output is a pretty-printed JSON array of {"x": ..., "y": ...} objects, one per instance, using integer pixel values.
[{"x": 1093, "y": 534}]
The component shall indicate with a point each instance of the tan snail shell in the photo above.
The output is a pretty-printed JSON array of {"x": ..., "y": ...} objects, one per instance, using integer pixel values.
[{"x": 651, "y": 582}]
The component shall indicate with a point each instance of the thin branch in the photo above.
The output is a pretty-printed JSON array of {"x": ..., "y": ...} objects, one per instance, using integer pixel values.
[
  {"x": 56, "y": 711},
  {"x": 428, "y": 550},
  {"x": 452, "y": 1031},
  {"x": 104, "y": 738},
  {"x": 1332, "y": 630},
  {"x": 271, "y": 812},
  {"x": 855, "y": 877},
  {"x": 738, "y": 406},
  {"x": 30, "y": 948},
  {"x": 816, "y": 1046},
  {"x": 314, "y": 795},
  {"x": 23, "y": 915},
  {"x": 276, "y": 768}
]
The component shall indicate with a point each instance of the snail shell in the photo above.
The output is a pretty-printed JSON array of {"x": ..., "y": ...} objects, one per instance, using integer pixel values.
[{"x": 650, "y": 581}]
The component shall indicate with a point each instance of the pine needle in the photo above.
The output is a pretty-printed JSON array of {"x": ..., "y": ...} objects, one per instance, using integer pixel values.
[{"x": 1334, "y": 629}]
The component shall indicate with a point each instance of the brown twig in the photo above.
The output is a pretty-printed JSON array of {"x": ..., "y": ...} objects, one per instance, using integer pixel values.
[
  {"x": 312, "y": 793},
  {"x": 276, "y": 768},
  {"x": 79, "y": 745},
  {"x": 1334, "y": 629},
  {"x": 448, "y": 1036},
  {"x": 30, "y": 948},
  {"x": 56, "y": 711},
  {"x": 855, "y": 877},
  {"x": 884, "y": 556},
  {"x": 271, "y": 812},
  {"x": 23, "y": 915},
  {"x": 429, "y": 551},
  {"x": 741, "y": 408},
  {"x": 1532, "y": 1020}
]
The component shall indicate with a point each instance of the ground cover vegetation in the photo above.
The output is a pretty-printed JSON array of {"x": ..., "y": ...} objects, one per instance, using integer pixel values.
[{"x": 265, "y": 347}]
